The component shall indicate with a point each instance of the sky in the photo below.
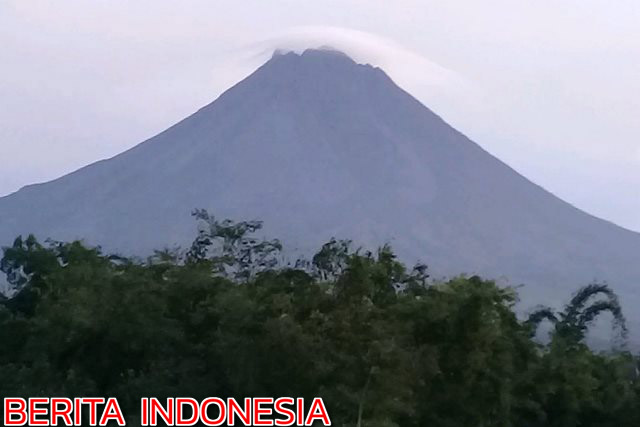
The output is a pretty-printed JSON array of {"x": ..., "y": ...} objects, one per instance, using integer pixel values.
[{"x": 551, "y": 87}]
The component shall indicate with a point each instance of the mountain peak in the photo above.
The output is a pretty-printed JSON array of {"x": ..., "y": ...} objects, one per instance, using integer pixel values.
[
  {"x": 323, "y": 59},
  {"x": 322, "y": 52},
  {"x": 319, "y": 79}
]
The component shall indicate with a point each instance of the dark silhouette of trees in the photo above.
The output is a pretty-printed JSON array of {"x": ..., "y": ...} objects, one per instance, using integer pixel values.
[
  {"x": 382, "y": 344},
  {"x": 572, "y": 324}
]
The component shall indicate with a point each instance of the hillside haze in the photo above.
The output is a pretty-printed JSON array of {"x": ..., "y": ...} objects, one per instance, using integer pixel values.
[{"x": 317, "y": 146}]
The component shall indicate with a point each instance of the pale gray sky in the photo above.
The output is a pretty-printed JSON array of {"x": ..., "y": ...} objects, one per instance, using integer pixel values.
[{"x": 552, "y": 87}]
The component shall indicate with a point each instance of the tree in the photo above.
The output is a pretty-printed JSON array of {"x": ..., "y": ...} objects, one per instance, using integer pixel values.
[
  {"x": 331, "y": 260},
  {"x": 381, "y": 344},
  {"x": 232, "y": 248},
  {"x": 572, "y": 324}
]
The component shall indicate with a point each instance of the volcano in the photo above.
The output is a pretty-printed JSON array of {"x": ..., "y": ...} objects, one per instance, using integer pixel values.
[{"x": 317, "y": 145}]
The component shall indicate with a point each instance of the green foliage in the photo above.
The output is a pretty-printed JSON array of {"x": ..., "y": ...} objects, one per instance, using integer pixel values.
[
  {"x": 382, "y": 344},
  {"x": 572, "y": 324},
  {"x": 231, "y": 248},
  {"x": 331, "y": 260}
]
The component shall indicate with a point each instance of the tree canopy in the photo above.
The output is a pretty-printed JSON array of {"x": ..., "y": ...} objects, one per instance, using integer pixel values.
[{"x": 381, "y": 343}]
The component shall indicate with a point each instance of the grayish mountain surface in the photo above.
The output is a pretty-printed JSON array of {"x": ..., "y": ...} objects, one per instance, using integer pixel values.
[{"x": 319, "y": 146}]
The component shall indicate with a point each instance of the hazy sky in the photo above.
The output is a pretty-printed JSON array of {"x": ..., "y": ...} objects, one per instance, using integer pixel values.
[{"x": 552, "y": 87}]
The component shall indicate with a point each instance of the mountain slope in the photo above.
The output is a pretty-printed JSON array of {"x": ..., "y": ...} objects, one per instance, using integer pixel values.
[{"x": 319, "y": 146}]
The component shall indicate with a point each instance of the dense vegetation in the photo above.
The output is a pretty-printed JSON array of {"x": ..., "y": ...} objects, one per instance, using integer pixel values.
[{"x": 382, "y": 344}]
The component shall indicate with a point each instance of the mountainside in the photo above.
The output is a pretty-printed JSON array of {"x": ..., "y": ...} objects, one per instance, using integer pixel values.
[{"x": 319, "y": 146}]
